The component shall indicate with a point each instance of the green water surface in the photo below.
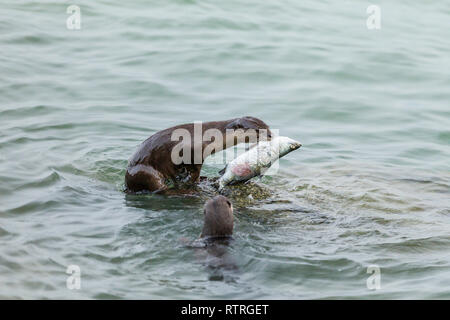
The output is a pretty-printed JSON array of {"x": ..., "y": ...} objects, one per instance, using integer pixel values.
[{"x": 370, "y": 186}]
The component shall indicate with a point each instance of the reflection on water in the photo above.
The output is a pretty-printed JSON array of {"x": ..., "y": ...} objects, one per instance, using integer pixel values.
[{"x": 214, "y": 254}]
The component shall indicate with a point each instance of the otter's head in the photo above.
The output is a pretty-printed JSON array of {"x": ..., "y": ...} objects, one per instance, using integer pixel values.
[
  {"x": 218, "y": 220},
  {"x": 249, "y": 129}
]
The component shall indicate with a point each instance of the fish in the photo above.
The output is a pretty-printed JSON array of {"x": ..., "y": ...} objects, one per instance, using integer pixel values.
[{"x": 256, "y": 160}]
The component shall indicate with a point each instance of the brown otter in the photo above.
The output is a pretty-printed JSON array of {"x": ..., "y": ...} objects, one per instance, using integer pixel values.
[
  {"x": 218, "y": 218},
  {"x": 218, "y": 224},
  {"x": 215, "y": 239},
  {"x": 152, "y": 168}
]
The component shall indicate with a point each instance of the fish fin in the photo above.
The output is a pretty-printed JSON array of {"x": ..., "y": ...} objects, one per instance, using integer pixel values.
[{"x": 221, "y": 172}]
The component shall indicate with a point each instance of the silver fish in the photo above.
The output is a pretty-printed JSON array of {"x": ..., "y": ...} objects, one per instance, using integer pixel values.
[{"x": 257, "y": 160}]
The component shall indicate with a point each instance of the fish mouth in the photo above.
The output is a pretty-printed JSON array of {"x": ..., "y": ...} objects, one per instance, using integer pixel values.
[{"x": 295, "y": 145}]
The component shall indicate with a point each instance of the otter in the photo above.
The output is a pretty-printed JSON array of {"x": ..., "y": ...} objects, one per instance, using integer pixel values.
[
  {"x": 218, "y": 218},
  {"x": 218, "y": 223},
  {"x": 215, "y": 239},
  {"x": 152, "y": 169}
]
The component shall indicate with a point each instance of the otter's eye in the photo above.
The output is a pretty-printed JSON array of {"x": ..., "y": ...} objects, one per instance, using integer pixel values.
[{"x": 229, "y": 203}]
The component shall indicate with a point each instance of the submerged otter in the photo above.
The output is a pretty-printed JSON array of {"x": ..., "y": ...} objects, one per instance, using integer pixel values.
[
  {"x": 215, "y": 239},
  {"x": 152, "y": 167},
  {"x": 218, "y": 218}
]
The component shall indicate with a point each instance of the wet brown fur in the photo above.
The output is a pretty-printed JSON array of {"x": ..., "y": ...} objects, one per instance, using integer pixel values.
[
  {"x": 218, "y": 218},
  {"x": 151, "y": 165}
]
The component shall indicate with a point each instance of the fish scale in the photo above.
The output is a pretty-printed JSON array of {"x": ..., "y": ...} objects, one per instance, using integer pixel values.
[{"x": 255, "y": 161}]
